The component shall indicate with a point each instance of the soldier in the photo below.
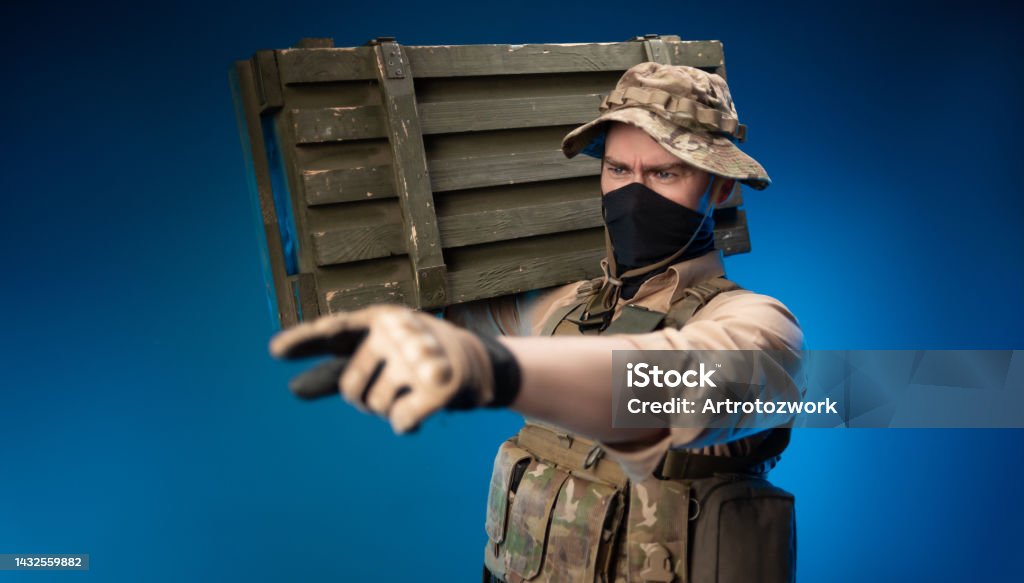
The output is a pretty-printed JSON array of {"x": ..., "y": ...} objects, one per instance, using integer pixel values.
[{"x": 680, "y": 504}]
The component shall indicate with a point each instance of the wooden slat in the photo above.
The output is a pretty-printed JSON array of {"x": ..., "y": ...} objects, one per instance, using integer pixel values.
[
  {"x": 525, "y": 264},
  {"x": 500, "y": 114},
  {"x": 411, "y": 177},
  {"x": 247, "y": 108},
  {"x": 462, "y": 202},
  {"x": 323, "y": 65},
  {"x": 374, "y": 182},
  {"x": 357, "y": 243},
  {"x": 363, "y": 294},
  {"x": 506, "y": 277},
  {"x": 513, "y": 168},
  {"x": 348, "y": 184},
  {"x": 354, "y": 285},
  {"x": 516, "y": 223},
  {"x": 443, "y": 89},
  {"x": 455, "y": 61},
  {"x": 337, "y": 124},
  {"x": 347, "y": 64}
]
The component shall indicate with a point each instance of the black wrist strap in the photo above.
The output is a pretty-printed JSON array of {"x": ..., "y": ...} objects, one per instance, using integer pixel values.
[{"x": 507, "y": 376}]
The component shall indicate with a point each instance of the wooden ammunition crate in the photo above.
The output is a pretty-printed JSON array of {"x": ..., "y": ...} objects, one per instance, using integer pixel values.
[{"x": 433, "y": 175}]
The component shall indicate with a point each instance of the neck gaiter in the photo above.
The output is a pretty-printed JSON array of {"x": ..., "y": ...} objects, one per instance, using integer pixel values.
[{"x": 646, "y": 227}]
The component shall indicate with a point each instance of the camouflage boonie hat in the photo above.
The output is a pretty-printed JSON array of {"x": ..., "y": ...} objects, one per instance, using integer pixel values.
[{"x": 686, "y": 110}]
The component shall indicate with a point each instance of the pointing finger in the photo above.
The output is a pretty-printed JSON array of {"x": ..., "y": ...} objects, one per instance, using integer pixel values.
[{"x": 335, "y": 334}]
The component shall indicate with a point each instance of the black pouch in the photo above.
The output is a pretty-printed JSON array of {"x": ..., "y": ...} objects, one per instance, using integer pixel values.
[{"x": 744, "y": 530}]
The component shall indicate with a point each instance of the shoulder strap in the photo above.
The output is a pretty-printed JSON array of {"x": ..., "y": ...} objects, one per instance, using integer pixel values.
[
  {"x": 680, "y": 465},
  {"x": 584, "y": 292},
  {"x": 638, "y": 320},
  {"x": 694, "y": 298},
  {"x": 558, "y": 318},
  {"x": 635, "y": 320}
]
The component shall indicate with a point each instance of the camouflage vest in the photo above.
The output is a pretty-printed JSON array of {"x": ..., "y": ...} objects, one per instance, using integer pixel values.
[{"x": 559, "y": 511}]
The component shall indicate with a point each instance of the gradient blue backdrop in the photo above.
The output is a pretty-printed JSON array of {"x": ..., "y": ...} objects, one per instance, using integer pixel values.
[{"x": 142, "y": 421}]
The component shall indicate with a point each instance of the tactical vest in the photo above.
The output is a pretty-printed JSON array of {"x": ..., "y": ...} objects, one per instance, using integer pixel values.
[{"x": 559, "y": 511}]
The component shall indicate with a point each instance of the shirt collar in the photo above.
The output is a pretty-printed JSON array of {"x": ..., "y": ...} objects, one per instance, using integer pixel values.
[{"x": 682, "y": 275}]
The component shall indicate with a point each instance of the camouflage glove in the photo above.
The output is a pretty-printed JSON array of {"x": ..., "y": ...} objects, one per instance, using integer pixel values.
[{"x": 400, "y": 363}]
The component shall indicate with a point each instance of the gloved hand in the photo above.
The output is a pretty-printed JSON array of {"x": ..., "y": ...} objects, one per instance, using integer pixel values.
[{"x": 404, "y": 364}]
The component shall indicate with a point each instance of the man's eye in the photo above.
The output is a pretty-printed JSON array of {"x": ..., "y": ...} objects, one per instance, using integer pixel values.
[
  {"x": 616, "y": 171},
  {"x": 664, "y": 175}
]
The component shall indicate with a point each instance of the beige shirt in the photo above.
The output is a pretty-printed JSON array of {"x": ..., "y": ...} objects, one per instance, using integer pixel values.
[{"x": 733, "y": 320}]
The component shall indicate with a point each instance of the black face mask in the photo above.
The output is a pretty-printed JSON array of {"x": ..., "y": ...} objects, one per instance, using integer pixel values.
[{"x": 646, "y": 227}]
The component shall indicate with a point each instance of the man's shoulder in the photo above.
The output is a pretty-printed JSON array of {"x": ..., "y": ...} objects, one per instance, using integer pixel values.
[
  {"x": 743, "y": 299},
  {"x": 745, "y": 308}
]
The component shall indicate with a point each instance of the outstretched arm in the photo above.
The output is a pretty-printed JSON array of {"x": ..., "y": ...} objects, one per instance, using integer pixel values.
[
  {"x": 566, "y": 381},
  {"x": 406, "y": 365}
]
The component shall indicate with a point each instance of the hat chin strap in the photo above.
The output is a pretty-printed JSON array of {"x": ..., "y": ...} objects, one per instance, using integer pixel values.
[{"x": 600, "y": 308}]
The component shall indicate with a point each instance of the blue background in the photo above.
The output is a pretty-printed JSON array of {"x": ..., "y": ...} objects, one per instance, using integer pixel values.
[{"x": 142, "y": 421}]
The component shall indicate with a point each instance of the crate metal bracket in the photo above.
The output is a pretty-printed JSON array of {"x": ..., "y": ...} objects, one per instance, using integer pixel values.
[
  {"x": 655, "y": 49},
  {"x": 394, "y": 61}
]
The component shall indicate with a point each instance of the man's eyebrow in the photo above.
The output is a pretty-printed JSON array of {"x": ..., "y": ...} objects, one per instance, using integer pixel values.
[
  {"x": 664, "y": 167},
  {"x": 657, "y": 168}
]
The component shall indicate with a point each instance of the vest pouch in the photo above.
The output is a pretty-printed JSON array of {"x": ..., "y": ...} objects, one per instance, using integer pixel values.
[
  {"x": 745, "y": 531},
  {"x": 528, "y": 520},
  {"x": 657, "y": 533},
  {"x": 581, "y": 538},
  {"x": 509, "y": 465}
]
